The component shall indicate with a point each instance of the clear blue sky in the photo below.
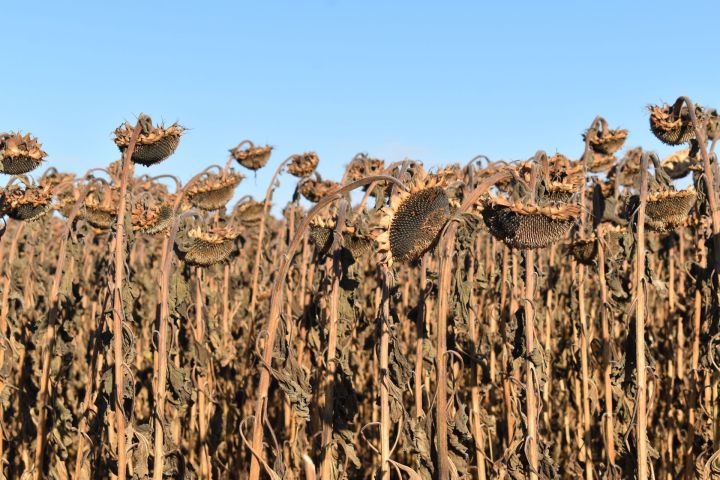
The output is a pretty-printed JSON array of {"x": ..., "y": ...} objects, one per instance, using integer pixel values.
[{"x": 439, "y": 82}]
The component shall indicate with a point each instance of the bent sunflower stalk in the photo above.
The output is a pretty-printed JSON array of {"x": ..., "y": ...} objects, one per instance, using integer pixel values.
[{"x": 274, "y": 317}]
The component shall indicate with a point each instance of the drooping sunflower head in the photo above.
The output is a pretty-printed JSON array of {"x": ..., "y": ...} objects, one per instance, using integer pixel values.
[
  {"x": 604, "y": 140},
  {"x": 214, "y": 190},
  {"x": 151, "y": 219},
  {"x": 207, "y": 247},
  {"x": 362, "y": 166},
  {"x": 303, "y": 165},
  {"x": 665, "y": 211},
  {"x": 672, "y": 126},
  {"x": 601, "y": 162},
  {"x": 321, "y": 234},
  {"x": 528, "y": 225},
  {"x": 249, "y": 213},
  {"x": 679, "y": 164},
  {"x": 19, "y": 154},
  {"x": 314, "y": 190},
  {"x": 100, "y": 208},
  {"x": 154, "y": 144},
  {"x": 53, "y": 178},
  {"x": 584, "y": 250},
  {"x": 668, "y": 209},
  {"x": 28, "y": 203},
  {"x": 410, "y": 225},
  {"x": 250, "y": 156}
]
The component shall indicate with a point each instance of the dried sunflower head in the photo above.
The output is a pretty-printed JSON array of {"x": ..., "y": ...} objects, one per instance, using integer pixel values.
[
  {"x": 151, "y": 220},
  {"x": 303, "y": 165},
  {"x": 29, "y": 203},
  {"x": 100, "y": 208},
  {"x": 671, "y": 127},
  {"x": 584, "y": 250},
  {"x": 528, "y": 226},
  {"x": 604, "y": 140},
  {"x": 249, "y": 213},
  {"x": 411, "y": 224},
  {"x": 362, "y": 166},
  {"x": 19, "y": 154},
  {"x": 560, "y": 192},
  {"x": 666, "y": 210},
  {"x": 214, "y": 190},
  {"x": 205, "y": 248},
  {"x": 321, "y": 234},
  {"x": 252, "y": 157},
  {"x": 679, "y": 164},
  {"x": 65, "y": 201},
  {"x": 314, "y": 190},
  {"x": 53, "y": 178},
  {"x": 601, "y": 162},
  {"x": 154, "y": 144}
]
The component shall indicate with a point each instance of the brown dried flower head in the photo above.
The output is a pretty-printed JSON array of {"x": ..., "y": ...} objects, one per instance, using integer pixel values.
[
  {"x": 411, "y": 224},
  {"x": 303, "y": 165},
  {"x": 214, "y": 190},
  {"x": 100, "y": 208},
  {"x": 249, "y": 213},
  {"x": 314, "y": 190},
  {"x": 154, "y": 144},
  {"x": 252, "y": 157},
  {"x": 364, "y": 166},
  {"x": 673, "y": 127},
  {"x": 151, "y": 220},
  {"x": 19, "y": 154},
  {"x": 668, "y": 209},
  {"x": 584, "y": 250},
  {"x": 528, "y": 226},
  {"x": 29, "y": 203},
  {"x": 321, "y": 234},
  {"x": 208, "y": 247},
  {"x": 604, "y": 140},
  {"x": 679, "y": 164}
]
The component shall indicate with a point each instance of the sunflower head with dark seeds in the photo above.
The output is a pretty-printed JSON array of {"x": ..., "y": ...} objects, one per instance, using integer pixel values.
[
  {"x": 315, "y": 189},
  {"x": 207, "y": 247},
  {"x": 151, "y": 219},
  {"x": 249, "y": 213},
  {"x": 26, "y": 204},
  {"x": 605, "y": 141},
  {"x": 251, "y": 157},
  {"x": 673, "y": 126},
  {"x": 19, "y": 154},
  {"x": 100, "y": 208},
  {"x": 321, "y": 234},
  {"x": 303, "y": 165},
  {"x": 528, "y": 225},
  {"x": 214, "y": 190},
  {"x": 411, "y": 224},
  {"x": 154, "y": 144},
  {"x": 362, "y": 166}
]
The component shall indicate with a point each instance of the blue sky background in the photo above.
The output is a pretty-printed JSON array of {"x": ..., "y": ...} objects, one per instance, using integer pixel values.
[{"x": 435, "y": 81}]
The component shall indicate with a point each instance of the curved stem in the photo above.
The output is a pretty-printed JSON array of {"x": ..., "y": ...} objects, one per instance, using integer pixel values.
[
  {"x": 275, "y": 304},
  {"x": 447, "y": 243},
  {"x": 49, "y": 338},
  {"x": 117, "y": 305},
  {"x": 261, "y": 237}
]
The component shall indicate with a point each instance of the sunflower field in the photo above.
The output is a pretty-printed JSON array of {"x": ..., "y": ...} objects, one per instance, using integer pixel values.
[{"x": 543, "y": 318}]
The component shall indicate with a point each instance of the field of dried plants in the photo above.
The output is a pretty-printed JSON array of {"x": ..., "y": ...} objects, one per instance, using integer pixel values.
[{"x": 544, "y": 318}]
